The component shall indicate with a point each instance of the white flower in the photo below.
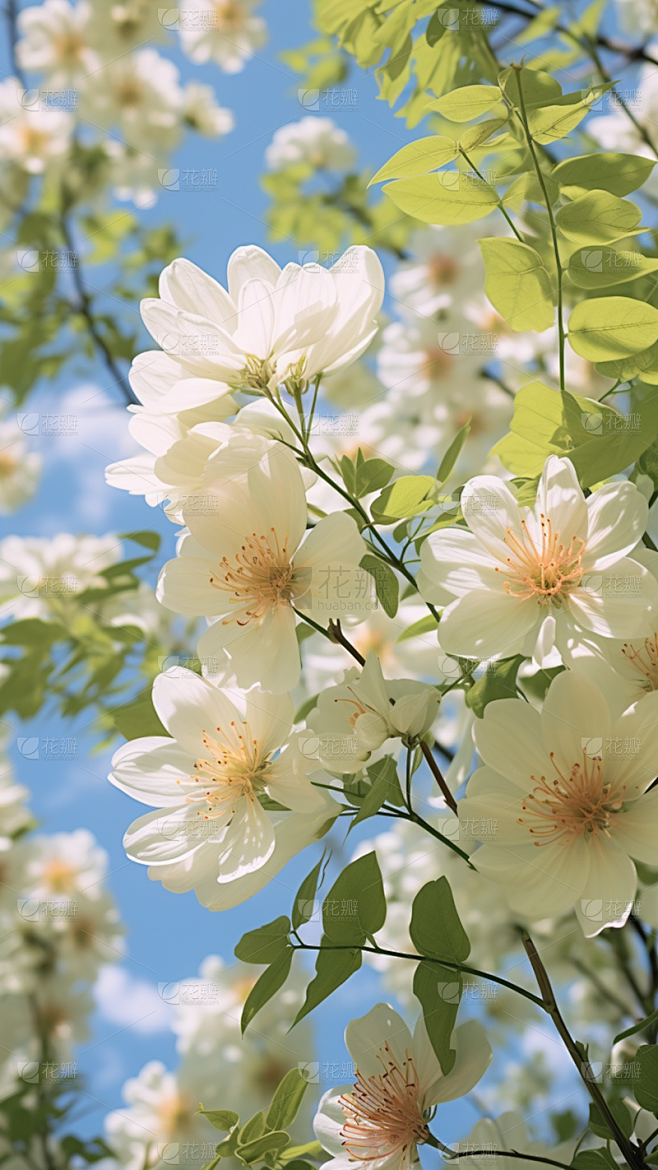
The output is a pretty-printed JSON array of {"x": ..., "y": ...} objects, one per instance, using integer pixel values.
[
  {"x": 62, "y": 865},
  {"x": 140, "y": 94},
  {"x": 380, "y": 1121},
  {"x": 420, "y": 358},
  {"x": 522, "y": 580},
  {"x": 243, "y": 1070},
  {"x": 215, "y": 778},
  {"x": 160, "y": 1114},
  {"x": 41, "y": 577},
  {"x": 54, "y": 41},
  {"x": 31, "y": 138},
  {"x": 565, "y": 794},
  {"x": 225, "y": 31},
  {"x": 624, "y": 669},
  {"x": 115, "y": 29},
  {"x": 20, "y": 469},
  {"x": 201, "y": 112},
  {"x": 354, "y": 719},
  {"x": 249, "y": 563},
  {"x": 271, "y": 325},
  {"x": 639, "y": 19},
  {"x": 446, "y": 267},
  {"x": 319, "y": 142}
]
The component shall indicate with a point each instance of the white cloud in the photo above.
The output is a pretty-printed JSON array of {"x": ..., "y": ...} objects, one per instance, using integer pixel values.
[{"x": 131, "y": 1003}]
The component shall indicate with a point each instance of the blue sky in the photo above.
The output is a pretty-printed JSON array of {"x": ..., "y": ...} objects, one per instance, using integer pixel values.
[{"x": 168, "y": 935}]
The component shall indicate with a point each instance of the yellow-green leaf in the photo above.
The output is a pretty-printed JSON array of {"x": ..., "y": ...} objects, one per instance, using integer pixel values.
[
  {"x": 418, "y": 158},
  {"x": 467, "y": 103},
  {"x": 550, "y": 123},
  {"x": 517, "y": 284},
  {"x": 601, "y": 267},
  {"x": 598, "y": 218},
  {"x": 448, "y": 197},
  {"x": 609, "y": 328},
  {"x": 608, "y": 171}
]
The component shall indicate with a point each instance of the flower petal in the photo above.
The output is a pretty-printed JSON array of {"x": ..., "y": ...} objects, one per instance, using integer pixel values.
[
  {"x": 154, "y": 770},
  {"x": 607, "y": 896}
]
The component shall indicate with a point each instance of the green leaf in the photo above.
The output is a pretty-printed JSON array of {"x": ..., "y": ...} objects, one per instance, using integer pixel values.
[
  {"x": 467, "y": 103},
  {"x": 418, "y": 158},
  {"x": 286, "y": 1100},
  {"x": 332, "y": 969},
  {"x": 386, "y": 583},
  {"x": 598, "y": 218},
  {"x": 387, "y": 767},
  {"x": 426, "y": 625},
  {"x": 646, "y": 1086},
  {"x": 599, "y": 1159},
  {"x": 609, "y": 328},
  {"x": 34, "y": 632},
  {"x": 517, "y": 284},
  {"x": 591, "y": 434},
  {"x": 252, "y": 1128},
  {"x": 448, "y": 197},
  {"x": 439, "y": 991},
  {"x": 639, "y": 1027},
  {"x": 497, "y": 682},
  {"x": 528, "y": 189},
  {"x": 536, "y": 86},
  {"x": 146, "y": 537},
  {"x": 476, "y": 136},
  {"x": 222, "y": 1119},
  {"x": 618, "y": 173},
  {"x": 266, "y": 943},
  {"x": 600, "y": 1127},
  {"x": 601, "y": 267},
  {"x": 138, "y": 718},
  {"x": 355, "y": 905},
  {"x": 549, "y": 123},
  {"x": 407, "y": 496},
  {"x": 435, "y": 928},
  {"x": 253, "y": 1151},
  {"x": 267, "y": 985},
  {"x": 371, "y": 476},
  {"x": 303, "y": 905},
  {"x": 376, "y": 796}
]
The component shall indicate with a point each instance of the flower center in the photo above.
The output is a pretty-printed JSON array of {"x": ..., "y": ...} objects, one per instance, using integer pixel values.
[
  {"x": 8, "y": 465},
  {"x": 442, "y": 270},
  {"x": 260, "y": 577},
  {"x": 437, "y": 362},
  {"x": 69, "y": 46},
  {"x": 645, "y": 660},
  {"x": 570, "y": 806},
  {"x": 383, "y": 1114},
  {"x": 547, "y": 573},
  {"x": 59, "y": 876},
  {"x": 230, "y": 16},
  {"x": 175, "y": 1113},
  {"x": 233, "y": 767}
]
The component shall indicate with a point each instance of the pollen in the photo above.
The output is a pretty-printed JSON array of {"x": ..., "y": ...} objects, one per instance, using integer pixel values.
[
  {"x": 546, "y": 571},
  {"x": 383, "y": 1113},
  {"x": 259, "y": 578},
  {"x": 567, "y": 806}
]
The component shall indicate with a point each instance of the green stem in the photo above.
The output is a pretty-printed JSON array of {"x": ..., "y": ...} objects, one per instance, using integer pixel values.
[
  {"x": 631, "y": 1153},
  {"x": 501, "y": 206},
  {"x": 428, "y": 959},
  {"x": 551, "y": 220}
]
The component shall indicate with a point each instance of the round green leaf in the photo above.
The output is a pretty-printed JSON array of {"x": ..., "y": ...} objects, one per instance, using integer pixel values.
[{"x": 609, "y": 328}]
